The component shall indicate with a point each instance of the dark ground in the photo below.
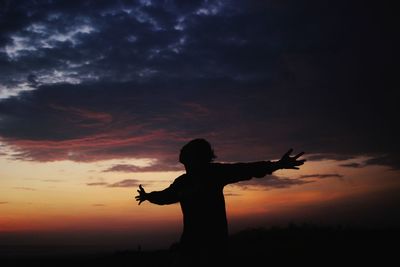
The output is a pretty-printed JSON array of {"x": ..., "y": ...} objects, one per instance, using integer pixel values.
[{"x": 307, "y": 245}]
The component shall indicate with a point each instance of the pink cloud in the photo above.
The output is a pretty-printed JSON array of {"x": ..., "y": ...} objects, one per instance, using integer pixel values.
[{"x": 117, "y": 143}]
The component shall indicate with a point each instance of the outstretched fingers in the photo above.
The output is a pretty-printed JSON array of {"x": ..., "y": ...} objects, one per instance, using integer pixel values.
[
  {"x": 141, "y": 197},
  {"x": 141, "y": 190},
  {"x": 287, "y": 154},
  {"x": 299, "y": 155},
  {"x": 288, "y": 162}
]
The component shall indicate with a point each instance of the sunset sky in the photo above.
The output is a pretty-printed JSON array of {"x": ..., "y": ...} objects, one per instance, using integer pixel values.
[{"x": 97, "y": 97}]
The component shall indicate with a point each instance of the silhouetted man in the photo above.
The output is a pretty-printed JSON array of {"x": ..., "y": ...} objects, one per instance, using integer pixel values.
[{"x": 200, "y": 194}]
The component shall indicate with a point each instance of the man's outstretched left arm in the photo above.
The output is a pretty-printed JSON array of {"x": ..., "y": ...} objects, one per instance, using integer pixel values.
[{"x": 236, "y": 172}]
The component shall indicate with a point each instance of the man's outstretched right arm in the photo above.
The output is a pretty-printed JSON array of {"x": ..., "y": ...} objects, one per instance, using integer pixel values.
[{"x": 166, "y": 196}]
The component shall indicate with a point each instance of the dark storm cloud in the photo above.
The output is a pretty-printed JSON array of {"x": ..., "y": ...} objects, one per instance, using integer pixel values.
[
  {"x": 139, "y": 79},
  {"x": 88, "y": 41}
]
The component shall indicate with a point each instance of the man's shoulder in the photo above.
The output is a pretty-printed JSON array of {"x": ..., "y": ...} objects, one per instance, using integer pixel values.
[{"x": 180, "y": 179}]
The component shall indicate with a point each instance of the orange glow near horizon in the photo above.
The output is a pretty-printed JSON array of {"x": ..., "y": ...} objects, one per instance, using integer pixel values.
[{"x": 56, "y": 197}]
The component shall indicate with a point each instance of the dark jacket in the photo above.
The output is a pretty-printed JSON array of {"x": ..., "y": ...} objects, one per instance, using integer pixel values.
[{"x": 201, "y": 197}]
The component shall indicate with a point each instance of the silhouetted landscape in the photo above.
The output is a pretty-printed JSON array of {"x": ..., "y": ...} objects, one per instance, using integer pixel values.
[
  {"x": 295, "y": 244},
  {"x": 105, "y": 105}
]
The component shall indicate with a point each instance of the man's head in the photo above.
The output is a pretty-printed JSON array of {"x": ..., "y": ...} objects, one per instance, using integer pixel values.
[{"x": 196, "y": 152}]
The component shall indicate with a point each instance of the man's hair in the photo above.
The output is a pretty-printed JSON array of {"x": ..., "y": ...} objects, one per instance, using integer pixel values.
[{"x": 197, "y": 151}]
